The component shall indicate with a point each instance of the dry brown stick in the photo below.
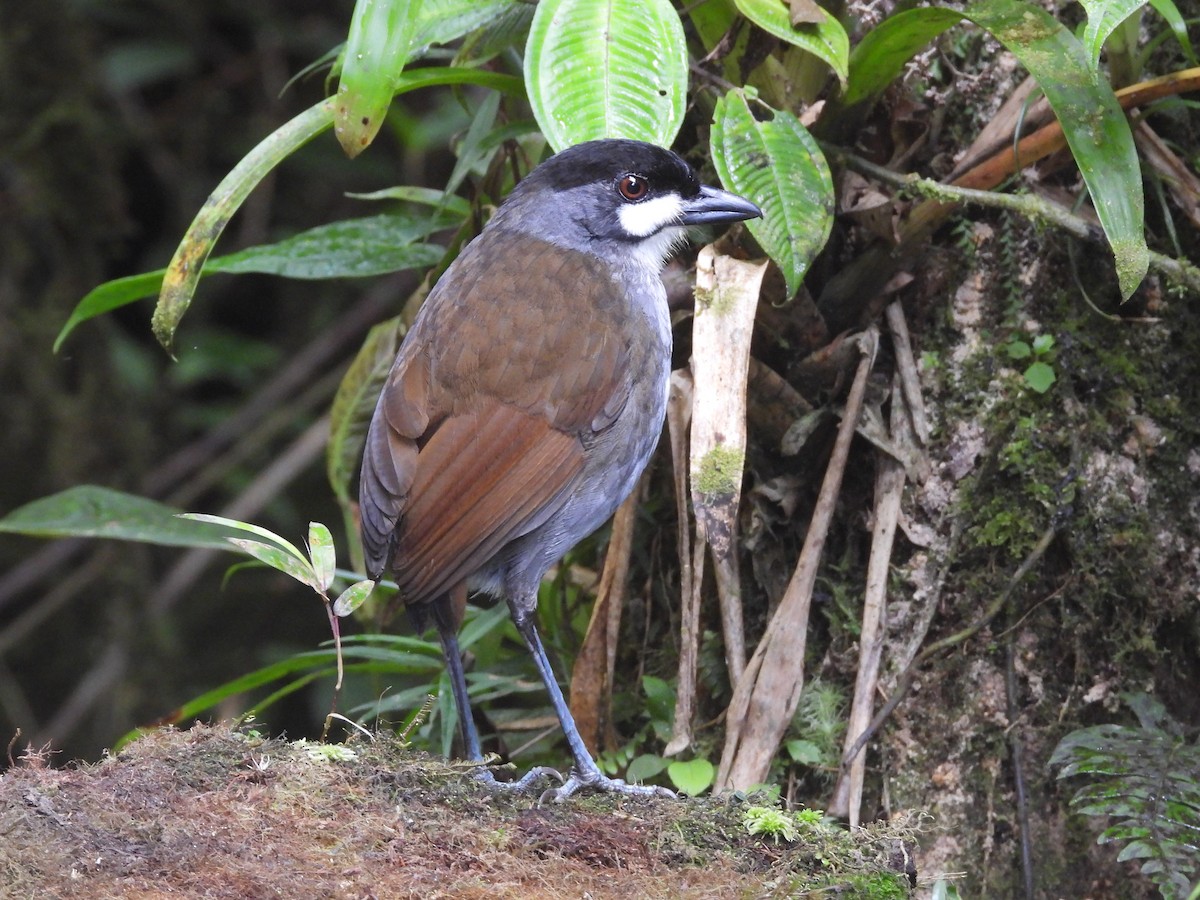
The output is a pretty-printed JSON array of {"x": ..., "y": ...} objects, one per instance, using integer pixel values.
[
  {"x": 846, "y": 800},
  {"x": 1046, "y": 140},
  {"x": 592, "y": 674},
  {"x": 1050, "y": 138},
  {"x": 766, "y": 696},
  {"x": 904, "y": 682},
  {"x": 906, "y": 368},
  {"x": 691, "y": 566},
  {"x": 727, "y": 294}
]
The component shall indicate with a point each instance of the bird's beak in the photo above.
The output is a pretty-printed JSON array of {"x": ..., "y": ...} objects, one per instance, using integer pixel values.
[{"x": 713, "y": 205}]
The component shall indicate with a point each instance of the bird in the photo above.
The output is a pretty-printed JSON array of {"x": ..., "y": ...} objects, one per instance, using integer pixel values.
[{"x": 526, "y": 400}]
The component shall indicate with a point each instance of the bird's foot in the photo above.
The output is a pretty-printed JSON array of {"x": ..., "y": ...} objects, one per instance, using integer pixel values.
[
  {"x": 597, "y": 781},
  {"x": 522, "y": 784}
]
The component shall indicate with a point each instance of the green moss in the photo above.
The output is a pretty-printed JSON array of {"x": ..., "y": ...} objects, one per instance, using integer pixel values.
[
  {"x": 873, "y": 887},
  {"x": 715, "y": 301},
  {"x": 720, "y": 471}
]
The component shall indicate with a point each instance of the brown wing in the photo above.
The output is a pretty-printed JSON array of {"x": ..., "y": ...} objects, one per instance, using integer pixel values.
[{"x": 515, "y": 361}]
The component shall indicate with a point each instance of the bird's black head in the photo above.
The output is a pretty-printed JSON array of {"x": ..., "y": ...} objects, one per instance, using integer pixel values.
[{"x": 616, "y": 197}]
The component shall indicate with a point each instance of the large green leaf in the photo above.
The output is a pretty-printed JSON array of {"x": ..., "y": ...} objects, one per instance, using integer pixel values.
[
  {"x": 1092, "y": 121},
  {"x": 777, "y": 164},
  {"x": 322, "y": 554},
  {"x": 276, "y": 540},
  {"x": 443, "y": 21},
  {"x": 99, "y": 512},
  {"x": 377, "y": 47},
  {"x": 355, "y": 401},
  {"x": 380, "y": 655},
  {"x": 1103, "y": 18},
  {"x": 826, "y": 40},
  {"x": 354, "y": 248},
  {"x": 279, "y": 560},
  {"x": 606, "y": 69},
  {"x": 1178, "y": 26},
  {"x": 186, "y": 266},
  {"x": 880, "y": 57},
  {"x": 1091, "y": 117}
]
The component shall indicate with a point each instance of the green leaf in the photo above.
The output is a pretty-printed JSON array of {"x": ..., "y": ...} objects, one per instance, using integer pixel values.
[
  {"x": 826, "y": 40},
  {"x": 471, "y": 152},
  {"x": 261, "y": 532},
  {"x": 354, "y": 248},
  {"x": 1092, "y": 121},
  {"x": 1103, "y": 18},
  {"x": 1043, "y": 343},
  {"x": 377, "y": 47},
  {"x": 606, "y": 69},
  {"x": 352, "y": 597},
  {"x": 321, "y": 552},
  {"x": 481, "y": 623},
  {"x": 880, "y": 57},
  {"x": 693, "y": 777},
  {"x": 777, "y": 164},
  {"x": 508, "y": 30},
  {"x": 1018, "y": 350},
  {"x": 443, "y": 21},
  {"x": 109, "y": 296},
  {"x": 660, "y": 698},
  {"x": 186, "y": 266},
  {"x": 804, "y": 752},
  {"x": 354, "y": 402},
  {"x": 642, "y": 768},
  {"x": 1039, "y": 377},
  {"x": 1178, "y": 26},
  {"x": 712, "y": 20},
  {"x": 183, "y": 272},
  {"x": 457, "y": 206},
  {"x": 281, "y": 560},
  {"x": 98, "y": 512}
]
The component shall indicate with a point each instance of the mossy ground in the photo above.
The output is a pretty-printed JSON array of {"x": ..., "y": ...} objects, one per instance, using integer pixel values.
[{"x": 216, "y": 813}]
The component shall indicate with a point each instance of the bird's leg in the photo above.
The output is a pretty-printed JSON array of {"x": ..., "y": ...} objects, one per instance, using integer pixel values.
[
  {"x": 585, "y": 772},
  {"x": 466, "y": 722}
]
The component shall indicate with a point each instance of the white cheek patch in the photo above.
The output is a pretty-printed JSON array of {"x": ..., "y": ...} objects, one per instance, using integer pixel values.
[
  {"x": 653, "y": 252},
  {"x": 644, "y": 219}
]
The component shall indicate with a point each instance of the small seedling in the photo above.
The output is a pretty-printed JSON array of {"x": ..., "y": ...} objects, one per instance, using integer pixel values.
[
  {"x": 1039, "y": 375},
  {"x": 326, "y": 752},
  {"x": 769, "y": 821},
  {"x": 317, "y": 570}
]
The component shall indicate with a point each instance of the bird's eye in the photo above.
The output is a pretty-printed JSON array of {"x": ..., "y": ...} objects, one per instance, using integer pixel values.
[{"x": 633, "y": 187}]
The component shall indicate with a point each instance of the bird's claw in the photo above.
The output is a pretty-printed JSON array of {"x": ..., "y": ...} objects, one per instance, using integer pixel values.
[
  {"x": 597, "y": 781},
  {"x": 522, "y": 784}
]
